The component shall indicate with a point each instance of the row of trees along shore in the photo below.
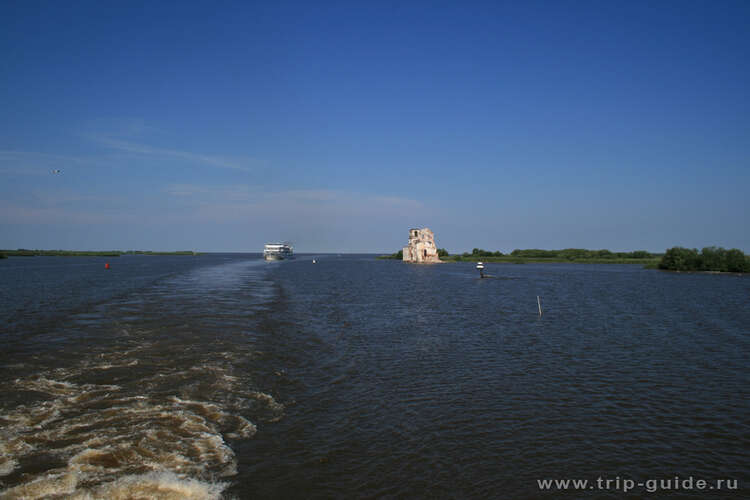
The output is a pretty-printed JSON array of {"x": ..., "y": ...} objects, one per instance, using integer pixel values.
[
  {"x": 23, "y": 252},
  {"x": 714, "y": 259},
  {"x": 710, "y": 259},
  {"x": 564, "y": 255}
]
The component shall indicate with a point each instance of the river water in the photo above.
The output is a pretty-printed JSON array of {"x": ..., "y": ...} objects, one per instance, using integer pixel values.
[{"x": 224, "y": 376}]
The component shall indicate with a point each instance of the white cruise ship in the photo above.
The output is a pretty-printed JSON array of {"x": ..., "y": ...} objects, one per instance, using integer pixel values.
[{"x": 278, "y": 251}]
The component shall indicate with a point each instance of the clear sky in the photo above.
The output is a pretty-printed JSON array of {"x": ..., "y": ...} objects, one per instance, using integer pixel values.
[{"x": 220, "y": 126}]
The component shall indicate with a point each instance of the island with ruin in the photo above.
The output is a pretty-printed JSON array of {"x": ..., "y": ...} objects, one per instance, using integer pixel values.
[{"x": 421, "y": 248}]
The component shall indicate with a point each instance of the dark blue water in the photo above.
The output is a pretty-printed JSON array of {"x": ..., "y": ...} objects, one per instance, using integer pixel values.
[{"x": 226, "y": 376}]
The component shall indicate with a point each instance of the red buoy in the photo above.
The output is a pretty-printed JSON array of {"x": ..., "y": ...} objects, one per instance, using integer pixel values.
[{"x": 106, "y": 266}]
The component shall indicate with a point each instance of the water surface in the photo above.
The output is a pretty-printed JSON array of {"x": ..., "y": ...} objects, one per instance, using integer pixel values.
[{"x": 226, "y": 376}]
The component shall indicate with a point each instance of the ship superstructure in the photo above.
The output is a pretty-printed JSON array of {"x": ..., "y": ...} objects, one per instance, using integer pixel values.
[{"x": 278, "y": 251}]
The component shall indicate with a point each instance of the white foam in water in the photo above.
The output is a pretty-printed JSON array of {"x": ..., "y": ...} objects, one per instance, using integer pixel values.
[
  {"x": 43, "y": 384},
  {"x": 161, "y": 486},
  {"x": 155, "y": 485},
  {"x": 269, "y": 400},
  {"x": 42, "y": 487},
  {"x": 109, "y": 366},
  {"x": 119, "y": 445},
  {"x": 244, "y": 428},
  {"x": 7, "y": 465}
]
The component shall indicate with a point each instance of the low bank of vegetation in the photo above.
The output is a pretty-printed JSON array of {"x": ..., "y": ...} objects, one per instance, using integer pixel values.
[
  {"x": 710, "y": 259},
  {"x": 149, "y": 252},
  {"x": 395, "y": 256},
  {"x": 581, "y": 255},
  {"x": 537, "y": 255},
  {"x": 23, "y": 252}
]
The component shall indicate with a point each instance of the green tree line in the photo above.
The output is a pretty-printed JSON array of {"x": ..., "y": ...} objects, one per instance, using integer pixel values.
[
  {"x": 564, "y": 255},
  {"x": 24, "y": 252},
  {"x": 708, "y": 259},
  {"x": 571, "y": 254},
  {"x": 674, "y": 259},
  {"x": 581, "y": 254}
]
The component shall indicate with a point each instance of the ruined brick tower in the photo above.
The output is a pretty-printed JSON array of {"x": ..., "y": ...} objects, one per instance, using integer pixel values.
[{"x": 421, "y": 247}]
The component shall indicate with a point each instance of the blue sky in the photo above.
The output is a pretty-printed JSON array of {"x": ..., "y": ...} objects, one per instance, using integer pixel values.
[{"x": 219, "y": 126}]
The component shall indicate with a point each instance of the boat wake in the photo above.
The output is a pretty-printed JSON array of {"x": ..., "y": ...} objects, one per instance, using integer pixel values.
[
  {"x": 150, "y": 404},
  {"x": 114, "y": 441}
]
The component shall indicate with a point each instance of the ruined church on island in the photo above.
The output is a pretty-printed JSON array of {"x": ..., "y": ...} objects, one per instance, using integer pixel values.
[{"x": 421, "y": 248}]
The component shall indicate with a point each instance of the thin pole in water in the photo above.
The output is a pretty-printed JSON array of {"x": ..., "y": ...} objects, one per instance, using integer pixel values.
[{"x": 539, "y": 303}]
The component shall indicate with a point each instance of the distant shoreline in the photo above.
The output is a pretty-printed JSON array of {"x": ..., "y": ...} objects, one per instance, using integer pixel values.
[
  {"x": 553, "y": 260},
  {"x": 711, "y": 260},
  {"x": 730, "y": 273},
  {"x": 538, "y": 260},
  {"x": 22, "y": 252},
  {"x": 538, "y": 256}
]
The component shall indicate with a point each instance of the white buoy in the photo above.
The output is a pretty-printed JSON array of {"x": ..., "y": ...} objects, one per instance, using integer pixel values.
[
  {"x": 480, "y": 267},
  {"x": 313, "y": 261}
]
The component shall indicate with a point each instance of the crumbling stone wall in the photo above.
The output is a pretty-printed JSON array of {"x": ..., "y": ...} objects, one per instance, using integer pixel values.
[{"x": 421, "y": 247}]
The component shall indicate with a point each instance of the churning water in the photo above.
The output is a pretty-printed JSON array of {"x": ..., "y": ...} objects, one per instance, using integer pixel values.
[{"x": 223, "y": 376}]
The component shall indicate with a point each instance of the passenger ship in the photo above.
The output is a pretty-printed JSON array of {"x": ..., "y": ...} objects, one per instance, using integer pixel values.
[{"x": 278, "y": 251}]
